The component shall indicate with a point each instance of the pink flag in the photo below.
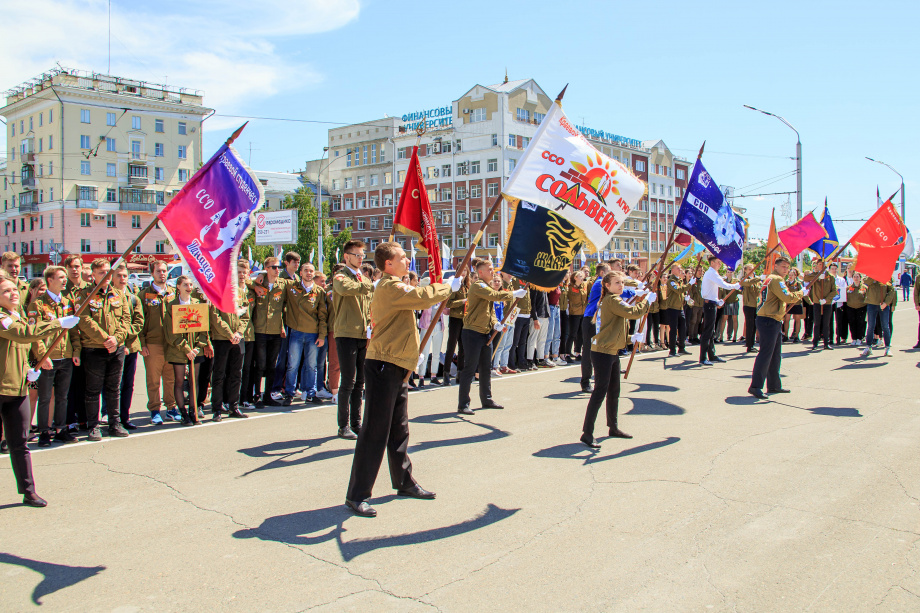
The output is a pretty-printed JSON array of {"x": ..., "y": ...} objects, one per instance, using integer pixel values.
[{"x": 797, "y": 237}]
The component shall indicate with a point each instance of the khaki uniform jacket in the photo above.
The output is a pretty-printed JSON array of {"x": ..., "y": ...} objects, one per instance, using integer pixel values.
[
  {"x": 153, "y": 304},
  {"x": 564, "y": 299},
  {"x": 695, "y": 293},
  {"x": 71, "y": 290},
  {"x": 819, "y": 289},
  {"x": 675, "y": 290},
  {"x": 856, "y": 296},
  {"x": 225, "y": 325},
  {"x": 135, "y": 314},
  {"x": 457, "y": 303},
  {"x": 45, "y": 309},
  {"x": 268, "y": 317},
  {"x": 395, "y": 335},
  {"x": 750, "y": 291},
  {"x": 23, "y": 288},
  {"x": 878, "y": 293},
  {"x": 105, "y": 316},
  {"x": 480, "y": 310},
  {"x": 614, "y": 315},
  {"x": 249, "y": 300},
  {"x": 523, "y": 305},
  {"x": 577, "y": 298},
  {"x": 177, "y": 345},
  {"x": 351, "y": 300},
  {"x": 15, "y": 338},
  {"x": 306, "y": 311},
  {"x": 916, "y": 297},
  {"x": 724, "y": 295},
  {"x": 778, "y": 296}
]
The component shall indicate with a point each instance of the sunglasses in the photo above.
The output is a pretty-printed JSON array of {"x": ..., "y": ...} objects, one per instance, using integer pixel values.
[{"x": 275, "y": 266}]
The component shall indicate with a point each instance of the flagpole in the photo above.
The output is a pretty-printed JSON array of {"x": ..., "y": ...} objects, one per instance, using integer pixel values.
[
  {"x": 137, "y": 241},
  {"x": 460, "y": 270}
]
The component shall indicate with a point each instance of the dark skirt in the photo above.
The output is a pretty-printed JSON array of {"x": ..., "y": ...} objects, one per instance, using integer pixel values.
[{"x": 797, "y": 310}]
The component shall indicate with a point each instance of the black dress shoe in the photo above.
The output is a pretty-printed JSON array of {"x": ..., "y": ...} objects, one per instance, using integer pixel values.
[
  {"x": 465, "y": 411},
  {"x": 416, "y": 491},
  {"x": 684, "y": 352},
  {"x": 216, "y": 417},
  {"x": 491, "y": 404},
  {"x": 348, "y": 434},
  {"x": 435, "y": 381},
  {"x": 589, "y": 441},
  {"x": 757, "y": 393},
  {"x": 235, "y": 412},
  {"x": 587, "y": 388},
  {"x": 446, "y": 382},
  {"x": 362, "y": 509},
  {"x": 617, "y": 433},
  {"x": 34, "y": 501},
  {"x": 129, "y": 425},
  {"x": 718, "y": 359},
  {"x": 779, "y": 391}
]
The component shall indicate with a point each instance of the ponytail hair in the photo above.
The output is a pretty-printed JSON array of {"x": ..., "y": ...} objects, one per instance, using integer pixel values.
[{"x": 610, "y": 276}]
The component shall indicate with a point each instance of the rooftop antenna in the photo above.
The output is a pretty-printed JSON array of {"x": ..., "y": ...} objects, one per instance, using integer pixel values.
[{"x": 506, "y": 74}]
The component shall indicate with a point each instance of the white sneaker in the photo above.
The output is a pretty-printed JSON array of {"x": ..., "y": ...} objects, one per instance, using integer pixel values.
[
  {"x": 325, "y": 395},
  {"x": 495, "y": 373},
  {"x": 561, "y": 362},
  {"x": 249, "y": 405},
  {"x": 887, "y": 351},
  {"x": 866, "y": 352},
  {"x": 276, "y": 395},
  {"x": 304, "y": 396},
  {"x": 335, "y": 398}
]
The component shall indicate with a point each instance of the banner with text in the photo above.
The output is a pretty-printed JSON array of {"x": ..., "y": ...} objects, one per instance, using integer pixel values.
[{"x": 541, "y": 246}]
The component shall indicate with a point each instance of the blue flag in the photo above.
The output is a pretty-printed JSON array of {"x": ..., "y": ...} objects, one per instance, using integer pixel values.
[
  {"x": 692, "y": 249},
  {"x": 706, "y": 215},
  {"x": 826, "y": 246}
]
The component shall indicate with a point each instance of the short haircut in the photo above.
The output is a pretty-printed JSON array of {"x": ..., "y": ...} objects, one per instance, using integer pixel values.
[
  {"x": 336, "y": 268},
  {"x": 352, "y": 244},
  {"x": 613, "y": 261},
  {"x": 479, "y": 262},
  {"x": 711, "y": 258},
  {"x": 156, "y": 264},
  {"x": 631, "y": 268},
  {"x": 99, "y": 264},
  {"x": 70, "y": 259},
  {"x": 242, "y": 265},
  {"x": 53, "y": 270},
  {"x": 384, "y": 252},
  {"x": 412, "y": 275},
  {"x": 270, "y": 261},
  {"x": 121, "y": 266},
  {"x": 290, "y": 256},
  {"x": 780, "y": 260},
  {"x": 9, "y": 256},
  {"x": 601, "y": 268},
  {"x": 367, "y": 269},
  {"x": 34, "y": 283},
  {"x": 305, "y": 264}
]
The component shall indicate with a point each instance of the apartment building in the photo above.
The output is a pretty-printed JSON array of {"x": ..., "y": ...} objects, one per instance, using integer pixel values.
[{"x": 91, "y": 159}]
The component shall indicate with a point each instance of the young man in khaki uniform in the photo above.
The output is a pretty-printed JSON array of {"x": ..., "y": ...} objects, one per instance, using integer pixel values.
[
  {"x": 228, "y": 331},
  {"x": 351, "y": 299},
  {"x": 673, "y": 306},
  {"x": 76, "y": 397},
  {"x": 821, "y": 292},
  {"x": 305, "y": 314},
  {"x": 12, "y": 264},
  {"x": 478, "y": 324},
  {"x": 750, "y": 298},
  {"x": 391, "y": 354},
  {"x": 269, "y": 327},
  {"x": 154, "y": 299},
  {"x": 134, "y": 320}
]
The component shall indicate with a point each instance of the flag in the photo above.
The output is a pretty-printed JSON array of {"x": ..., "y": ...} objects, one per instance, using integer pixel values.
[
  {"x": 690, "y": 250},
  {"x": 883, "y": 229},
  {"x": 826, "y": 246},
  {"x": 312, "y": 253},
  {"x": 563, "y": 172},
  {"x": 412, "y": 256},
  {"x": 445, "y": 256},
  {"x": 683, "y": 239},
  {"x": 797, "y": 237},
  {"x": 336, "y": 257},
  {"x": 877, "y": 262},
  {"x": 413, "y": 216},
  {"x": 706, "y": 215},
  {"x": 773, "y": 241},
  {"x": 584, "y": 258},
  {"x": 878, "y": 198},
  {"x": 909, "y": 247},
  {"x": 249, "y": 256},
  {"x": 209, "y": 218},
  {"x": 498, "y": 253},
  {"x": 540, "y": 258}
]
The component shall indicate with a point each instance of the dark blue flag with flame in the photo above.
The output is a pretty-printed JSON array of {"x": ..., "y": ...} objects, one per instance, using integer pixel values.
[{"x": 540, "y": 246}]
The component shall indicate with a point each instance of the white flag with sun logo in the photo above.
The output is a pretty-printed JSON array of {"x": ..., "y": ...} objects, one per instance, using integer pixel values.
[{"x": 562, "y": 171}]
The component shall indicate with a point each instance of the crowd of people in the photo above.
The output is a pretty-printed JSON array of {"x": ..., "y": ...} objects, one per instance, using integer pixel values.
[{"x": 298, "y": 336}]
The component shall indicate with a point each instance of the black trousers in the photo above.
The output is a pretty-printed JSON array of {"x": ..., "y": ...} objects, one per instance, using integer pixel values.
[
  {"x": 519, "y": 343},
  {"x": 103, "y": 376},
  {"x": 385, "y": 427},
  {"x": 57, "y": 382},
  {"x": 249, "y": 352},
  {"x": 454, "y": 328},
  {"x": 707, "y": 340},
  {"x": 750, "y": 325},
  {"x": 76, "y": 397},
  {"x": 563, "y": 331},
  {"x": 573, "y": 339},
  {"x": 478, "y": 355},
  {"x": 808, "y": 322},
  {"x": 267, "y": 348},
  {"x": 606, "y": 385},
  {"x": 840, "y": 314},
  {"x": 126, "y": 388},
  {"x": 695, "y": 321},
  {"x": 351, "y": 352},
  {"x": 767, "y": 362},
  {"x": 822, "y": 314},
  {"x": 678, "y": 332},
  {"x": 654, "y": 321},
  {"x": 16, "y": 418},
  {"x": 587, "y": 335},
  {"x": 203, "y": 380},
  {"x": 226, "y": 374},
  {"x": 857, "y": 319}
]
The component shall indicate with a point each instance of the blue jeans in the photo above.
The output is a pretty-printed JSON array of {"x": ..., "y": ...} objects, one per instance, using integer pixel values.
[
  {"x": 504, "y": 348},
  {"x": 320, "y": 366},
  {"x": 874, "y": 311},
  {"x": 554, "y": 332},
  {"x": 301, "y": 345}
]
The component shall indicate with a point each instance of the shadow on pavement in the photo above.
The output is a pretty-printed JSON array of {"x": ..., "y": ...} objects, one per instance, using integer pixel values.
[
  {"x": 289, "y": 453},
  {"x": 743, "y": 400},
  {"x": 578, "y": 451},
  {"x": 861, "y": 362},
  {"x": 55, "y": 576},
  {"x": 567, "y": 395},
  {"x": 836, "y": 412},
  {"x": 306, "y": 528},
  {"x": 651, "y": 406},
  {"x": 653, "y": 387}
]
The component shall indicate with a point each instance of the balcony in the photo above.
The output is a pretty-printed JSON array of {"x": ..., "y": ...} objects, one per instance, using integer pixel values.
[
  {"x": 28, "y": 183},
  {"x": 28, "y": 208},
  {"x": 28, "y": 157},
  {"x": 143, "y": 207},
  {"x": 142, "y": 200},
  {"x": 87, "y": 204},
  {"x": 138, "y": 158},
  {"x": 86, "y": 198},
  {"x": 137, "y": 175}
]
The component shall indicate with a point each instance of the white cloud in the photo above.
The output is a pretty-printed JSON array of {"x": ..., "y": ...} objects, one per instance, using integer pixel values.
[{"x": 226, "y": 48}]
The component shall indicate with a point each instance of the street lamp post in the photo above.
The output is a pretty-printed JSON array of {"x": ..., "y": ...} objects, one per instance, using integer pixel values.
[
  {"x": 319, "y": 213},
  {"x": 798, "y": 159},
  {"x": 903, "y": 211}
]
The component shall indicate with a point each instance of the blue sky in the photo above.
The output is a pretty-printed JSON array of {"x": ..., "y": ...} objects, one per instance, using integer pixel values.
[{"x": 843, "y": 73}]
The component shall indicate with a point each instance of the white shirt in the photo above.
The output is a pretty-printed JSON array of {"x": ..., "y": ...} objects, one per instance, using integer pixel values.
[
  {"x": 55, "y": 297},
  {"x": 841, "y": 297},
  {"x": 157, "y": 289},
  {"x": 711, "y": 283},
  {"x": 189, "y": 301}
]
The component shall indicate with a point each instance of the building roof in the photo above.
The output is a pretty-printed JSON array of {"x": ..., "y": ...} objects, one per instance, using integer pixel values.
[
  {"x": 510, "y": 86},
  {"x": 279, "y": 181}
]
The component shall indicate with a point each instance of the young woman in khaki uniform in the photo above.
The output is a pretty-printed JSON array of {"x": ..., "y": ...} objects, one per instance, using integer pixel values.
[{"x": 183, "y": 349}]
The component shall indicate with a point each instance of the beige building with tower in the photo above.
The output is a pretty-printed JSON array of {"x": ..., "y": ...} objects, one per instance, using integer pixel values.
[{"x": 91, "y": 158}]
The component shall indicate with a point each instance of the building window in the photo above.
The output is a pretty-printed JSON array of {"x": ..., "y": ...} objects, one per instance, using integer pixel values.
[
  {"x": 373, "y": 180},
  {"x": 158, "y": 173},
  {"x": 361, "y": 181},
  {"x": 373, "y": 154},
  {"x": 181, "y": 127},
  {"x": 349, "y": 223},
  {"x": 51, "y": 142},
  {"x": 445, "y": 218},
  {"x": 158, "y": 150},
  {"x": 670, "y": 191},
  {"x": 523, "y": 115},
  {"x": 512, "y": 162},
  {"x": 374, "y": 201},
  {"x": 84, "y": 116},
  {"x": 681, "y": 174},
  {"x": 538, "y": 117},
  {"x": 348, "y": 158},
  {"x": 401, "y": 153},
  {"x": 158, "y": 125},
  {"x": 361, "y": 224},
  {"x": 445, "y": 194},
  {"x": 401, "y": 176},
  {"x": 111, "y": 195},
  {"x": 109, "y": 144},
  {"x": 512, "y": 140},
  {"x": 348, "y": 204},
  {"x": 84, "y": 245},
  {"x": 365, "y": 155},
  {"x": 110, "y": 246},
  {"x": 84, "y": 220},
  {"x": 359, "y": 203},
  {"x": 640, "y": 166},
  {"x": 388, "y": 178},
  {"x": 182, "y": 152},
  {"x": 492, "y": 165},
  {"x": 84, "y": 167},
  {"x": 183, "y": 175},
  {"x": 461, "y": 242},
  {"x": 84, "y": 141},
  {"x": 336, "y": 184},
  {"x": 136, "y": 221},
  {"x": 348, "y": 182},
  {"x": 160, "y": 247},
  {"x": 110, "y": 221},
  {"x": 493, "y": 240},
  {"x": 493, "y": 189},
  {"x": 110, "y": 169},
  {"x": 474, "y": 167},
  {"x": 495, "y": 140},
  {"x": 476, "y": 190},
  {"x": 461, "y": 192},
  {"x": 388, "y": 200},
  {"x": 383, "y": 151},
  {"x": 135, "y": 122},
  {"x": 478, "y": 115},
  {"x": 445, "y": 170}
]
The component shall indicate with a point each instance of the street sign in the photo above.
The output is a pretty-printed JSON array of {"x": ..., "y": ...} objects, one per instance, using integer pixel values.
[
  {"x": 276, "y": 227},
  {"x": 55, "y": 257}
]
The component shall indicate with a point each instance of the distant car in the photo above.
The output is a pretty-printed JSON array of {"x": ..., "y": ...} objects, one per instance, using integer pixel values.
[
  {"x": 174, "y": 272},
  {"x": 139, "y": 279},
  {"x": 445, "y": 274}
]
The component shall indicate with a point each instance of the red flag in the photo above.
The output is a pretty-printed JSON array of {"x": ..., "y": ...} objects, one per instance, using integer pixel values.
[
  {"x": 797, "y": 237},
  {"x": 877, "y": 262},
  {"x": 413, "y": 216},
  {"x": 883, "y": 229},
  {"x": 773, "y": 241},
  {"x": 683, "y": 239}
]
